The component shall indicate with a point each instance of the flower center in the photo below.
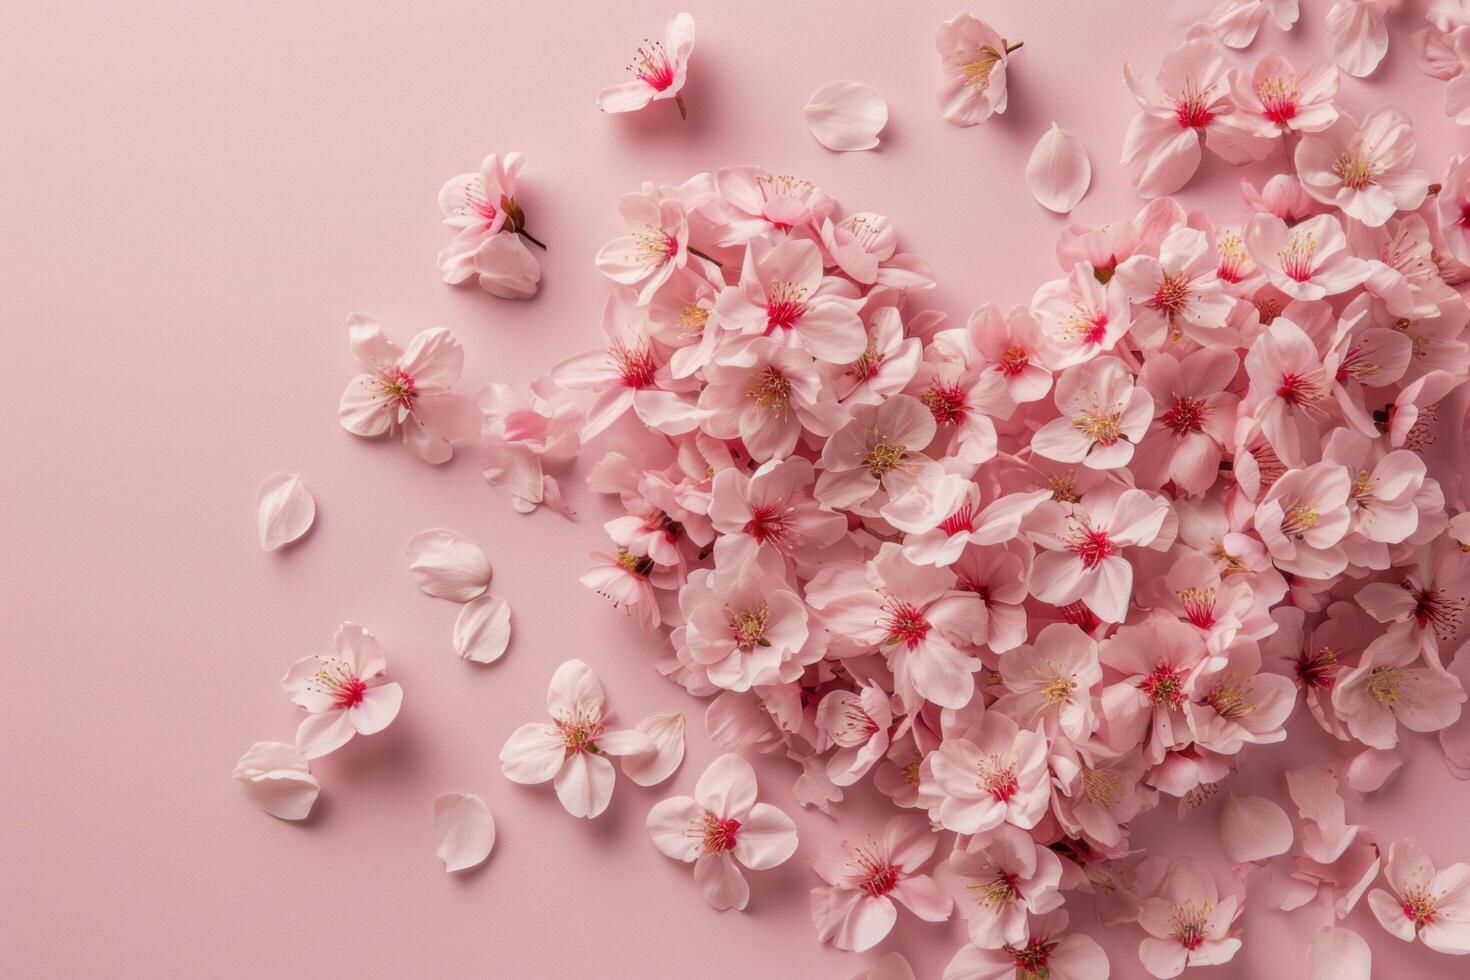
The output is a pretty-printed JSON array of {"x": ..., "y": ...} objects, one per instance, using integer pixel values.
[
  {"x": 863, "y": 231},
  {"x": 905, "y": 623},
  {"x": 867, "y": 364},
  {"x": 639, "y": 565},
  {"x": 785, "y": 304},
  {"x": 1172, "y": 296},
  {"x": 635, "y": 364},
  {"x": 1385, "y": 684},
  {"x": 910, "y": 773},
  {"x": 1063, "y": 487},
  {"x": 1355, "y": 170},
  {"x": 1191, "y": 111},
  {"x": 748, "y": 627},
  {"x": 1031, "y": 960},
  {"x": 1086, "y": 327},
  {"x": 1058, "y": 690},
  {"x": 1199, "y": 605},
  {"x": 977, "y": 72},
  {"x": 1101, "y": 428},
  {"x": 1079, "y": 615},
  {"x": 1418, "y": 906},
  {"x": 1013, "y": 360},
  {"x": 1296, "y": 257},
  {"x": 719, "y": 835},
  {"x": 335, "y": 678},
  {"x": 1278, "y": 98},
  {"x": 771, "y": 390},
  {"x": 1233, "y": 257},
  {"x": 961, "y": 521},
  {"x": 770, "y": 523},
  {"x": 997, "y": 893},
  {"x": 1090, "y": 544},
  {"x": 884, "y": 457},
  {"x": 1435, "y": 610},
  {"x": 1230, "y": 697},
  {"x": 1186, "y": 415},
  {"x": 579, "y": 734},
  {"x": 1187, "y": 922},
  {"x": 692, "y": 319},
  {"x": 398, "y": 389},
  {"x": 947, "y": 403},
  {"x": 1101, "y": 787},
  {"x": 651, "y": 65},
  {"x": 1356, "y": 363},
  {"x": 1164, "y": 687},
  {"x": 998, "y": 778},
  {"x": 1300, "y": 389},
  {"x": 1299, "y": 519},
  {"x": 1317, "y": 671},
  {"x": 655, "y": 244}
]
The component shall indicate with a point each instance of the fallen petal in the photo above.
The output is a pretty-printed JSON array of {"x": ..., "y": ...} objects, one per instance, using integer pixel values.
[
  {"x": 463, "y": 829},
  {"x": 1252, "y": 828},
  {"x": 1058, "y": 173},
  {"x": 285, "y": 509},
  {"x": 277, "y": 778},
  {"x": 652, "y": 768},
  {"x": 482, "y": 631},
  {"x": 846, "y": 116},
  {"x": 1371, "y": 768},
  {"x": 1338, "y": 954},
  {"x": 447, "y": 565}
]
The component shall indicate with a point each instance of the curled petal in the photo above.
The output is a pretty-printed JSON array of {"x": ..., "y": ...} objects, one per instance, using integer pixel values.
[
  {"x": 277, "y": 778},
  {"x": 1058, "y": 173},
  {"x": 652, "y": 768},
  {"x": 447, "y": 565},
  {"x": 482, "y": 631},
  {"x": 1253, "y": 828},
  {"x": 285, "y": 509},
  {"x": 464, "y": 830},
  {"x": 846, "y": 116}
]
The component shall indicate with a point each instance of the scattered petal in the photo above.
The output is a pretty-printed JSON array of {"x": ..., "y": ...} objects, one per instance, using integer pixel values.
[
  {"x": 1338, "y": 954},
  {"x": 1252, "y": 828},
  {"x": 285, "y": 509},
  {"x": 846, "y": 116},
  {"x": 1058, "y": 173},
  {"x": 448, "y": 565},
  {"x": 277, "y": 778},
  {"x": 482, "y": 631},
  {"x": 652, "y": 768},
  {"x": 1371, "y": 768},
  {"x": 464, "y": 830}
]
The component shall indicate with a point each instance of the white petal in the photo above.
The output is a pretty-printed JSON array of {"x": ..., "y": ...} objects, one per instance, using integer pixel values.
[
  {"x": 1338, "y": 954},
  {"x": 1253, "y": 829},
  {"x": 482, "y": 630},
  {"x": 846, "y": 116},
  {"x": 447, "y": 565},
  {"x": 1058, "y": 172},
  {"x": 652, "y": 768},
  {"x": 464, "y": 831},
  {"x": 277, "y": 778},
  {"x": 284, "y": 508}
]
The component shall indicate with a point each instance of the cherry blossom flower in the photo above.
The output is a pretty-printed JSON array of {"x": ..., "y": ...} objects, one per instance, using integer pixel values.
[
  {"x": 1282, "y": 196},
  {"x": 1046, "y": 953},
  {"x": 1428, "y": 905},
  {"x": 1384, "y": 691},
  {"x": 1083, "y": 317},
  {"x": 1452, "y": 205},
  {"x": 878, "y": 454},
  {"x": 1104, "y": 414},
  {"x": 1187, "y": 922},
  {"x": 345, "y": 694},
  {"x": 1053, "y": 681},
  {"x": 999, "y": 880},
  {"x": 1288, "y": 388},
  {"x": 746, "y": 630},
  {"x": 491, "y": 226},
  {"x": 772, "y": 509},
  {"x": 573, "y": 748},
  {"x": 970, "y": 524},
  {"x": 1159, "y": 660},
  {"x": 1193, "y": 414},
  {"x": 407, "y": 391},
  {"x": 1363, "y": 168},
  {"x": 864, "y": 246},
  {"x": 655, "y": 247},
  {"x": 1185, "y": 104},
  {"x": 1425, "y": 603},
  {"x": 858, "y": 724},
  {"x": 856, "y": 910},
  {"x": 996, "y": 774},
  {"x": 1082, "y": 559},
  {"x": 973, "y": 57},
  {"x": 752, "y": 202},
  {"x": 1307, "y": 261},
  {"x": 782, "y": 292},
  {"x": 1176, "y": 293},
  {"x": 1304, "y": 517},
  {"x": 1013, "y": 345},
  {"x": 1357, "y": 35},
  {"x": 767, "y": 398},
  {"x": 1275, "y": 98},
  {"x": 720, "y": 825},
  {"x": 659, "y": 70}
]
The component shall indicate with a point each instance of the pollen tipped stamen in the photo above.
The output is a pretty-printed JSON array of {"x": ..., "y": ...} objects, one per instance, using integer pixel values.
[{"x": 947, "y": 403}]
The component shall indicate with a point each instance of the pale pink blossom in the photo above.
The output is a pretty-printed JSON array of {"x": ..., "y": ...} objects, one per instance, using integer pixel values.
[
  {"x": 573, "y": 748},
  {"x": 1357, "y": 35},
  {"x": 1452, "y": 205},
  {"x": 1430, "y": 905},
  {"x": 856, "y": 910},
  {"x": 1176, "y": 293},
  {"x": 971, "y": 524},
  {"x": 864, "y": 246},
  {"x": 995, "y": 774},
  {"x": 1275, "y": 98},
  {"x": 1236, "y": 703},
  {"x": 1193, "y": 415},
  {"x": 998, "y": 575},
  {"x": 885, "y": 366},
  {"x": 1046, "y": 953},
  {"x": 1103, "y": 414},
  {"x": 1385, "y": 691},
  {"x": 1363, "y": 168},
  {"x": 1083, "y": 317},
  {"x": 878, "y": 456},
  {"x": 491, "y": 227},
  {"x": 1289, "y": 388},
  {"x": 752, "y": 202},
  {"x": 783, "y": 293},
  {"x": 1013, "y": 345},
  {"x": 720, "y": 825},
  {"x": 408, "y": 391},
  {"x": 1282, "y": 196},
  {"x": 1083, "y": 545},
  {"x": 999, "y": 880},
  {"x": 973, "y": 57},
  {"x": 858, "y": 725},
  {"x": 771, "y": 509},
  {"x": 744, "y": 630},
  {"x": 767, "y": 397},
  {"x": 519, "y": 434},
  {"x": 655, "y": 246},
  {"x": 1159, "y": 660},
  {"x": 345, "y": 694},
  {"x": 1423, "y": 602},
  {"x": 659, "y": 70},
  {"x": 1303, "y": 519},
  {"x": 1053, "y": 681},
  {"x": 1187, "y": 922}
]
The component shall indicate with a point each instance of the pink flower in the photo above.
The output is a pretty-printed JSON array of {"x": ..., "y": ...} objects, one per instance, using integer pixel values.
[
  {"x": 858, "y": 724},
  {"x": 1013, "y": 345},
  {"x": 1308, "y": 261},
  {"x": 767, "y": 397},
  {"x": 973, "y": 57},
  {"x": 1282, "y": 196},
  {"x": 856, "y": 911},
  {"x": 408, "y": 391},
  {"x": 1083, "y": 549},
  {"x": 491, "y": 225},
  {"x": 1104, "y": 414},
  {"x": 995, "y": 774},
  {"x": 1304, "y": 517},
  {"x": 1427, "y": 599},
  {"x": 782, "y": 292},
  {"x": 1357, "y": 35},
  {"x": 1237, "y": 704},
  {"x": 865, "y": 247},
  {"x": 1083, "y": 317},
  {"x": 1383, "y": 691},
  {"x": 1177, "y": 293},
  {"x": 1046, "y": 954},
  {"x": 1160, "y": 659},
  {"x": 1275, "y": 98},
  {"x": 878, "y": 455},
  {"x": 885, "y": 366},
  {"x": 721, "y": 824},
  {"x": 997, "y": 574},
  {"x": 573, "y": 749},
  {"x": 1185, "y": 103},
  {"x": 627, "y": 579},
  {"x": 658, "y": 71},
  {"x": 969, "y": 523},
  {"x": 752, "y": 202},
  {"x": 1288, "y": 388},
  {"x": 999, "y": 880},
  {"x": 1430, "y": 905},
  {"x": 1052, "y": 681},
  {"x": 744, "y": 630},
  {"x": 1452, "y": 206},
  {"x": 1193, "y": 415},
  {"x": 1187, "y": 922},
  {"x": 1363, "y": 169},
  {"x": 344, "y": 695},
  {"x": 770, "y": 510},
  {"x": 655, "y": 247}
]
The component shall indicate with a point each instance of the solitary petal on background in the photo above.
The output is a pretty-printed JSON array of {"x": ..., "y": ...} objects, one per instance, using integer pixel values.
[
  {"x": 464, "y": 831},
  {"x": 285, "y": 509},
  {"x": 482, "y": 631},
  {"x": 1371, "y": 768},
  {"x": 447, "y": 565},
  {"x": 277, "y": 778},
  {"x": 846, "y": 116},
  {"x": 1252, "y": 828},
  {"x": 891, "y": 967},
  {"x": 1338, "y": 954},
  {"x": 652, "y": 768},
  {"x": 1058, "y": 173}
]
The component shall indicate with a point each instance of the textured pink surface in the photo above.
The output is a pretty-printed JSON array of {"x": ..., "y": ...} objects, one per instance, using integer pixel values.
[{"x": 202, "y": 193}]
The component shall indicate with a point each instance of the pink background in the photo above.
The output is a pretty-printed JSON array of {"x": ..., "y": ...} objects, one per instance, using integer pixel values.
[{"x": 202, "y": 192}]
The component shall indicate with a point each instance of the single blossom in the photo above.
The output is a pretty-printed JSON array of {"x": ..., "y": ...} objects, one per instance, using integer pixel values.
[
  {"x": 1307, "y": 261},
  {"x": 491, "y": 237},
  {"x": 995, "y": 774},
  {"x": 345, "y": 694},
  {"x": 1082, "y": 317},
  {"x": 1426, "y": 904},
  {"x": 1103, "y": 415},
  {"x": 783, "y": 293},
  {"x": 573, "y": 749},
  {"x": 855, "y": 910},
  {"x": 655, "y": 246},
  {"x": 1275, "y": 98},
  {"x": 1053, "y": 681},
  {"x": 974, "y": 57},
  {"x": 1047, "y": 953},
  {"x": 1385, "y": 691},
  {"x": 858, "y": 724},
  {"x": 720, "y": 825},
  {"x": 1363, "y": 168},
  {"x": 1083, "y": 543},
  {"x": 999, "y": 880},
  {"x": 659, "y": 70},
  {"x": 1193, "y": 414},
  {"x": 1176, "y": 293},
  {"x": 1187, "y": 922}
]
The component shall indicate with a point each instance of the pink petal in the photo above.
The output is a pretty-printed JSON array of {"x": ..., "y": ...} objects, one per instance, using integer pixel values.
[
  {"x": 1371, "y": 768},
  {"x": 846, "y": 116},
  {"x": 676, "y": 827},
  {"x": 891, "y": 967},
  {"x": 767, "y": 838},
  {"x": 1058, "y": 173},
  {"x": 652, "y": 768},
  {"x": 277, "y": 778},
  {"x": 1338, "y": 954},
  {"x": 482, "y": 630},
  {"x": 507, "y": 267},
  {"x": 533, "y": 754},
  {"x": 447, "y": 565},
  {"x": 463, "y": 829},
  {"x": 727, "y": 788},
  {"x": 585, "y": 784},
  {"x": 721, "y": 882},
  {"x": 284, "y": 508},
  {"x": 1253, "y": 828}
]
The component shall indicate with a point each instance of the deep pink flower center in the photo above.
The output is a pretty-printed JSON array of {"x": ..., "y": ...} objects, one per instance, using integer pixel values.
[
  {"x": 1278, "y": 98},
  {"x": 651, "y": 64},
  {"x": 399, "y": 388},
  {"x": 1435, "y": 609},
  {"x": 880, "y": 880},
  {"x": 1172, "y": 296},
  {"x": 719, "y": 835},
  {"x": 1299, "y": 389},
  {"x": 1317, "y": 671},
  {"x": 1078, "y": 614},
  {"x": 1091, "y": 544},
  {"x": 769, "y": 522},
  {"x": 636, "y": 365},
  {"x": 1013, "y": 360},
  {"x": 785, "y": 305},
  {"x": 1186, "y": 415},
  {"x": 905, "y": 624},
  {"x": 948, "y": 403},
  {"x": 1165, "y": 686},
  {"x": 962, "y": 520},
  {"x": 1031, "y": 960},
  {"x": 1192, "y": 112},
  {"x": 1199, "y": 605}
]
